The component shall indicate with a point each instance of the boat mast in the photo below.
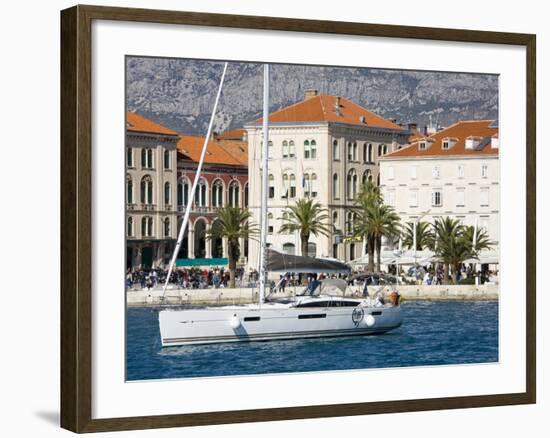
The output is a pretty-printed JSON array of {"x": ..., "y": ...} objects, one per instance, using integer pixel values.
[
  {"x": 264, "y": 191},
  {"x": 191, "y": 196}
]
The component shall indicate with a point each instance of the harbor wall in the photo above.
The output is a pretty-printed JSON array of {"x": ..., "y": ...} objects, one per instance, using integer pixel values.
[{"x": 143, "y": 298}]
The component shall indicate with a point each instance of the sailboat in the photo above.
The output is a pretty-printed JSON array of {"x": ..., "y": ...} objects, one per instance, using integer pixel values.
[{"x": 322, "y": 309}]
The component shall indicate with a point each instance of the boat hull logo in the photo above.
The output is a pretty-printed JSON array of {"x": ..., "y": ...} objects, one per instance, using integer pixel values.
[{"x": 357, "y": 315}]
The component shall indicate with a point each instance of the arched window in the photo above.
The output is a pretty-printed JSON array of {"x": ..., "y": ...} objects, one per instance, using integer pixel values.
[
  {"x": 147, "y": 158},
  {"x": 369, "y": 153},
  {"x": 270, "y": 149},
  {"x": 313, "y": 145},
  {"x": 129, "y": 190},
  {"x": 292, "y": 183},
  {"x": 167, "y": 194},
  {"x": 270, "y": 223},
  {"x": 217, "y": 194},
  {"x": 351, "y": 184},
  {"x": 144, "y": 158},
  {"x": 234, "y": 194},
  {"x": 354, "y": 150},
  {"x": 167, "y": 159},
  {"x": 349, "y": 223},
  {"x": 385, "y": 149},
  {"x": 289, "y": 248},
  {"x": 286, "y": 188},
  {"x": 146, "y": 190},
  {"x": 335, "y": 187},
  {"x": 314, "y": 186},
  {"x": 350, "y": 151},
  {"x": 183, "y": 192},
  {"x": 129, "y": 157},
  {"x": 291, "y": 149},
  {"x": 307, "y": 149},
  {"x": 335, "y": 220},
  {"x": 166, "y": 226},
  {"x": 271, "y": 186},
  {"x": 286, "y": 220},
  {"x": 352, "y": 251},
  {"x": 335, "y": 150},
  {"x": 285, "y": 149},
  {"x": 246, "y": 196},
  {"x": 146, "y": 226},
  {"x": 307, "y": 184},
  {"x": 367, "y": 176},
  {"x": 130, "y": 226},
  {"x": 200, "y": 194}
]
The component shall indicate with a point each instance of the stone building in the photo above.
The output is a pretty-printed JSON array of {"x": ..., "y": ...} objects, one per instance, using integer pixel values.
[
  {"x": 160, "y": 168},
  {"x": 322, "y": 147},
  {"x": 150, "y": 191}
]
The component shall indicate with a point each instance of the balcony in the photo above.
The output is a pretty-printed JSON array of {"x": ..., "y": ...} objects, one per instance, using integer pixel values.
[
  {"x": 197, "y": 209},
  {"x": 148, "y": 207},
  {"x": 131, "y": 206}
]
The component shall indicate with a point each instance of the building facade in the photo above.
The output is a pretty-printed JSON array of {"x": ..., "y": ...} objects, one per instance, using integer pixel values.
[
  {"x": 160, "y": 169},
  {"x": 151, "y": 169},
  {"x": 323, "y": 147},
  {"x": 223, "y": 182},
  {"x": 454, "y": 172}
]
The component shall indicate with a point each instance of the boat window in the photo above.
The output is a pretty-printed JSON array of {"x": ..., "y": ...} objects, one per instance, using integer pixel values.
[
  {"x": 346, "y": 303},
  {"x": 315, "y": 304},
  {"x": 312, "y": 316},
  {"x": 376, "y": 313},
  {"x": 251, "y": 318}
]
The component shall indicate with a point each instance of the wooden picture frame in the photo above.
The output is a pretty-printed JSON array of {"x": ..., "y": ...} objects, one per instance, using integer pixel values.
[{"x": 76, "y": 218}]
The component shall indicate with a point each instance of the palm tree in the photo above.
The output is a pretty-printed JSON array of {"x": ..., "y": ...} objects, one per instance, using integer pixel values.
[
  {"x": 482, "y": 240},
  {"x": 307, "y": 217},
  {"x": 369, "y": 196},
  {"x": 232, "y": 223},
  {"x": 455, "y": 244},
  {"x": 424, "y": 235},
  {"x": 386, "y": 223},
  {"x": 374, "y": 220}
]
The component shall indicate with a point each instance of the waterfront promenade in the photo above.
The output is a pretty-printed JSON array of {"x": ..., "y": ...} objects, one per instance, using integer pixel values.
[{"x": 145, "y": 298}]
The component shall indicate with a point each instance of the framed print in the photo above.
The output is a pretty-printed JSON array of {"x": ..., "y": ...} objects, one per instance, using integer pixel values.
[{"x": 336, "y": 213}]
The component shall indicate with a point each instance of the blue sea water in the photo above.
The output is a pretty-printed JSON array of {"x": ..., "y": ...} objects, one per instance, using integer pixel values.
[{"x": 433, "y": 333}]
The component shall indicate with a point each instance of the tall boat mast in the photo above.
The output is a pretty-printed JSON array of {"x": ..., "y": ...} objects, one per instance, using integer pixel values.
[
  {"x": 263, "y": 199},
  {"x": 191, "y": 197}
]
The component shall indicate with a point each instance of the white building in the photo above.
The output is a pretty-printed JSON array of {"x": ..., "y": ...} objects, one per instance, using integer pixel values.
[
  {"x": 454, "y": 172},
  {"x": 323, "y": 147}
]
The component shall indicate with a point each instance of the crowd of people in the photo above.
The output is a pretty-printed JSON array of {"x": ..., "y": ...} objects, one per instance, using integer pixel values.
[
  {"x": 189, "y": 278},
  {"x": 465, "y": 274},
  {"x": 218, "y": 277}
]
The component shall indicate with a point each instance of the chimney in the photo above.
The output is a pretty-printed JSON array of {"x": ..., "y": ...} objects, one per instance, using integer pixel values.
[
  {"x": 337, "y": 105},
  {"x": 310, "y": 92},
  {"x": 412, "y": 126}
]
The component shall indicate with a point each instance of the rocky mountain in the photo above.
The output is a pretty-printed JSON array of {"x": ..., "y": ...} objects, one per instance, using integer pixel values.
[{"x": 180, "y": 93}]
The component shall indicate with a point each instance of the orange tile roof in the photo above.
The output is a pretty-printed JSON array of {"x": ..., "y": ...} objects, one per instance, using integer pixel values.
[
  {"x": 137, "y": 123},
  {"x": 237, "y": 149},
  {"x": 234, "y": 134},
  {"x": 322, "y": 108},
  {"x": 191, "y": 147},
  {"x": 459, "y": 131}
]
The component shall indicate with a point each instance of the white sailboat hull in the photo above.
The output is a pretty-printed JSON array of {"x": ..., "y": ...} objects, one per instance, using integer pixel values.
[{"x": 271, "y": 322}]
